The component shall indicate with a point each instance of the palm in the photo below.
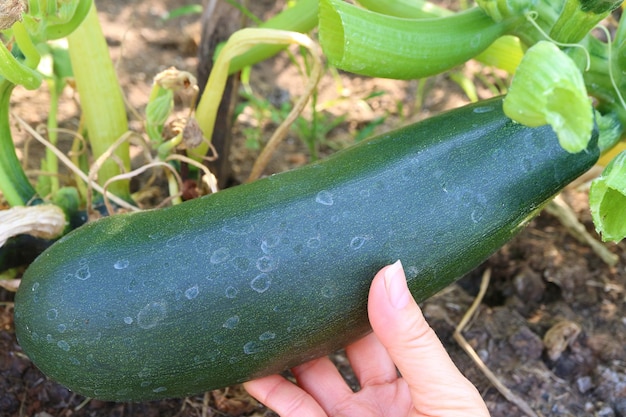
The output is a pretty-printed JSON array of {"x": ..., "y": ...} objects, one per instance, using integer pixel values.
[{"x": 389, "y": 399}]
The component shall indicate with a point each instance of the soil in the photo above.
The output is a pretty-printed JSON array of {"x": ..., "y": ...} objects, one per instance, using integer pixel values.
[{"x": 551, "y": 326}]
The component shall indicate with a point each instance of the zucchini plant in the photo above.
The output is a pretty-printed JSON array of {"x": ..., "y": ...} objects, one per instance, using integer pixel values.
[{"x": 260, "y": 277}]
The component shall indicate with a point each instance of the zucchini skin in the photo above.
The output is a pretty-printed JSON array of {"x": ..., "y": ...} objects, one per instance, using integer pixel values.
[{"x": 264, "y": 276}]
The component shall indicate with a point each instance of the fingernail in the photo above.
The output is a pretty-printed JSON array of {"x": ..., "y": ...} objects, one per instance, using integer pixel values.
[{"x": 395, "y": 284}]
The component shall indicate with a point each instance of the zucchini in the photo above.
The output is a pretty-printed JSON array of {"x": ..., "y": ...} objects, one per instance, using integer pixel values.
[{"x": 258, "y": 278}]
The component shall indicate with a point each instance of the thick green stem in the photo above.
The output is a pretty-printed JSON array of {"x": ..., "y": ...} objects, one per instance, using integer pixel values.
[
  {"x": 101, "y": 99},
  {"x": 368, "y": 43},
  {"x": 411, "y": 9},
  {"x": 14, "y": 184},
  {"x": 300, "y": 18},
  {"x": 16, "y": 72},
  {"x": 25, "y": 43},
  {"x": 52, "y": 163}
]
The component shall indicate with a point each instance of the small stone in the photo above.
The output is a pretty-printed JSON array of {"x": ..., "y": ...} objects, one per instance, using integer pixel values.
[{"x": 584, "y": 384}]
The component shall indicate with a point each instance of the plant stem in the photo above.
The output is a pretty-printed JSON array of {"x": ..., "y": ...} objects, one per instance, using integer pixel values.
[
  {"x": 367, "y": 43},
  {"x": 16, "y": 72},
  {"x": 101, "y": 98},
  {"x": 52, "y": 163},
  {"x": 410, "y": 9},
  {"x": 300, "y": 18},
  {"x": 14, "y": 184},
  {"x": 25, "y": 43}
]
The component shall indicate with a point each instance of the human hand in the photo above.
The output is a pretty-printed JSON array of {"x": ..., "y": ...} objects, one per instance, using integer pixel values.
[{"x": 430, "y": 385}]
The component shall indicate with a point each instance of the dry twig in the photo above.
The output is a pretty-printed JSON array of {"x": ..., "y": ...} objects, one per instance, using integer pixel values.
[
  {"x": 564, "y": 213},
  {"x": 493, "y": 378}
]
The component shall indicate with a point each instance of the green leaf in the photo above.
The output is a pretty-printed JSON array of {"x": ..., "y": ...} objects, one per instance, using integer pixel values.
[
  {"x": 607, "y": 199},
  {"x": 190, "y": 9},
  {"x": 548, "y": 88}
]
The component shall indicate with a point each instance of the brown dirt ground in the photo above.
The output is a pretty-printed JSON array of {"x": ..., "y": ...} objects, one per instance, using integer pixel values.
[{"x": 543, "y": 280}]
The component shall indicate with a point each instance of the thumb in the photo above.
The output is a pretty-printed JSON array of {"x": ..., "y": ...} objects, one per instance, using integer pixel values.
[{"x": 437, "y": 386}]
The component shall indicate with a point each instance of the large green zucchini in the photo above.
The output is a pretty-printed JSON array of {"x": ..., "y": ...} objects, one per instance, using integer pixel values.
[{"x": 261, "y": 277}]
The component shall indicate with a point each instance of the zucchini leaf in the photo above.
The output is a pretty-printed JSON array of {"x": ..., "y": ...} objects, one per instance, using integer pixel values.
[
  {"x": 548, "y": 88},
  {"x": 607, "y": 199}
]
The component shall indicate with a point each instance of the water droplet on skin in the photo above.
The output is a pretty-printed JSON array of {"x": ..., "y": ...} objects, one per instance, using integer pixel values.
[
  {"x": 231, "y": 322},
  {"x": 121, "y": 264},
  {"x": 266, "y": 264},
  {"x": 151, "y": 315},
  {"x": 63, "y": 345},
  {"x": 83, "y": 273},
  {"x": 231, "y": 292},
  {"x": 35, "y": 286},
  {"x": 220, "y": 255},
  {"x": 261, "y": 283},
  {"x": 159, "y": 389},
  {"x": 61, "y": 328},
  {"x": 128, "y": 320},
  {"x": 357, "y": 242},
  {"x": 192, "y": 292},
  {"x": 74, "y": 361},
  {"x": 325, "y": 198},
  {"x": 251, "y": 348},
  {"x": 52, "y": 314},
  {"x": 267, "y": 336}
]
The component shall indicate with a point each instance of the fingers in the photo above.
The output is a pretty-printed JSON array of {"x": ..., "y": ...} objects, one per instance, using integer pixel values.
[
  {"x": 283, "y": 397},
  {"x": 437, "y": 387},
  {"x": 370, "y": 362},
  {"x": 321, "y": 379}
]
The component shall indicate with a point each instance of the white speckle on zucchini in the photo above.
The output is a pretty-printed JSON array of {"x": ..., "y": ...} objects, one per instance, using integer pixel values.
[
  {"x": 266, "y": 264},
  {"x": 63, "y": 345},
  {"x": 192, "y": 292},
  {"x": 128, "y": 320},
  {"x": 52, "y": 314},
  {"x": 220, "y": 255},
  {"x": 83, "y": 273},
  {"x": 151, "y": 314},
  {"x": 238, "y": 227},
  {"x": 251, "y": 348},
  {"x": 267, "y": 336},
  {"x": 231, "y": 322},
  {"x": 325, "y": 197},
  {"x": 314, "y": 243},
  {"x": 174, "y": 241},
  {"x": 121, "y": 264},
  {"x": 231, "y": 292},
  {"x": 261, "y": 283},
  {"x": 357, "y": 242}
]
